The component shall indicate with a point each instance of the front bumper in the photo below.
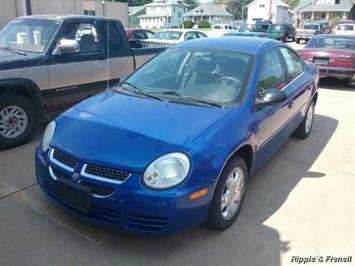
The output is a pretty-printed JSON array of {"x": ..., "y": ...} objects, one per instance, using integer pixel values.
[
  {"x": 303, "y": 37},
  {"x": 131, "y": 206}
]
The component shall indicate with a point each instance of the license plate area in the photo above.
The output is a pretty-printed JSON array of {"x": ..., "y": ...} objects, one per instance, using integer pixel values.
[
  {"x": 321, "y": 60},
  {"x": 74, "y": 195}
]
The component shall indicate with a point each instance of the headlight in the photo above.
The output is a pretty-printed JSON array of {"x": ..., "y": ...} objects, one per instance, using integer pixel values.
[
  {"x": 47, "y": 136},
  {"x": 167, "y": 171}
]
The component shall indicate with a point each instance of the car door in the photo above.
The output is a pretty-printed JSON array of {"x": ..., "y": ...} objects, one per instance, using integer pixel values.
[
  {"x": 75, "y": 76},
  {"x": 300, "y": 85},
  {"x": 271, "y": 121}
]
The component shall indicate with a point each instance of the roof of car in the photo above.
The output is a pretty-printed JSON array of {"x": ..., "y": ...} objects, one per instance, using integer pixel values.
[
  {"x": 64, "y": 17},
  {"x": 246, "y": 44}
]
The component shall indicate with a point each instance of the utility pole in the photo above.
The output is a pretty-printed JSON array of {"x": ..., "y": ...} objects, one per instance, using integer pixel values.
[
  {"x": 270, "y": 10},
  {"x": 242, "y": 11},
  {"x": 28, "y": 8},
  {"x": 103, "y": 8}
]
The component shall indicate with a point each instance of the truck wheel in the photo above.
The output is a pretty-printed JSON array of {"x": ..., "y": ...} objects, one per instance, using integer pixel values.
[
  {"x": 228, "y": 196},
  {"x": 17, "y": 118},
  {"x": 304, "y": 129},
  {"x": 298, "y": 41}
]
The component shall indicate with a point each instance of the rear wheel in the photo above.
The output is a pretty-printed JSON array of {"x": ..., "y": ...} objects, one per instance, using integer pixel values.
[
  {"x": 17, "y": 118},
  {"x": 304, "y": 129},
  {"x": 229, "y": 195},
  {"x": 298, "y": 41}
]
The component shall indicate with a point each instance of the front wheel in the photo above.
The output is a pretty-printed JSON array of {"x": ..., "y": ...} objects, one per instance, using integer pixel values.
[
  {"x": 228, "y": 196},
  {"x": 17, "y": 118},
  {"x": 304, "y": 129}
]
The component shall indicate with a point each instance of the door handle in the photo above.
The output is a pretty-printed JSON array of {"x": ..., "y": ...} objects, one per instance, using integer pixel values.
[{"x": 290, "y": 104}]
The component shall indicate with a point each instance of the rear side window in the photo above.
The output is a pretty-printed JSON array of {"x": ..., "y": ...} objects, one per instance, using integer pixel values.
[
  {"x": 293, "y": 61},
  {"x": 272, "y": 73},
  {"x": 113, "y": 38}
]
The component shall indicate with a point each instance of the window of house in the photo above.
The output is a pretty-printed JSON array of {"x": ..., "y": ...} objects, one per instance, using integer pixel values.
[
  {"x": 262, "y": 6},
  {"x": 174, "y": 9},
  {"x": 272, "y": 74},
  {"x": 337, "y": 2},
  {"x": 89, "y": 12}
]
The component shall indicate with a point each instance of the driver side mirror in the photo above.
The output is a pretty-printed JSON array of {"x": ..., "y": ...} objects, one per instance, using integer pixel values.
[
  {"x": 270, "y": 97},
  {"x": 67, "y": 46}
]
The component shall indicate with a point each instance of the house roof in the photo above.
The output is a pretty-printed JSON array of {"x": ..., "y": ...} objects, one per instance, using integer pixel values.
[
  {"x": 274, "y": 2},
  {"x": 309, "y": 6},
  {"x": 133, "y": 10},
  {"x": 208, "y": 10}
]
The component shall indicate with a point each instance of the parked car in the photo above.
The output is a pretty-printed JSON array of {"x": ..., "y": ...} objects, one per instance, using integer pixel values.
[
  {"x": 247, "y": 34},
  {"x": 345, "y": 29},
  {"x": 308, "y": 31},
  {"x": 282, "y": 32},
  {"x": 334, "y": 55},
  {"x": 168, "y": 38},
  {"x": 174, "y": 144},
  {"x": 219, "y": 29},
  {"x": 48, "y": 63},
  {"x": 136, "y": 35}
]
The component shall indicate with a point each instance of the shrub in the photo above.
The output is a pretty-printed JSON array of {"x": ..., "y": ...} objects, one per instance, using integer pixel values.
[
  {"x": 186, "y": 24},
  {"x": 204, "y": 24}
]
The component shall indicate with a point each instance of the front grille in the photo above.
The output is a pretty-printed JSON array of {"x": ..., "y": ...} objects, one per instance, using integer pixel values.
[
  {"x": 147, "y": 223},
  {"x": 59, "y": 174},
  {"x": 97, "y": 189},
  {"x": 64, "y": 159},
  {"x": 106, "y": 172}
]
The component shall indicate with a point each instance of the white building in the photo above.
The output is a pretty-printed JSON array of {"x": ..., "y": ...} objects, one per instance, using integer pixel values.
[
  {"x": 163, "y": 14},
  {"x": 213, "y": 13},
  {"x": 260, "y": 10},
  {"x": 11, "y": 9}
]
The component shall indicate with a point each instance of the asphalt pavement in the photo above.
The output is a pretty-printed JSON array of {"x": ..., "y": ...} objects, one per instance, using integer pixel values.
[{"x": 300, "y": 203}]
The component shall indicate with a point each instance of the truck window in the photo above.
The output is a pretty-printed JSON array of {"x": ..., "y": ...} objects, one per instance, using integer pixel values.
[
  {"x": 87, "y": 36},
  {"x": 114, "y": 39}
]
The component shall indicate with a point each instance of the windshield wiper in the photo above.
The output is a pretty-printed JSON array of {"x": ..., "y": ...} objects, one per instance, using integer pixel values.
[
  {"x": 141, "y": 92},
  {"x": 8, "y": 48},
  {"x": 191, "y": 98}
]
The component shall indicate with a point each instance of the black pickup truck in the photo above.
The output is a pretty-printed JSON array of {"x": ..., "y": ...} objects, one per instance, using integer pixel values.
[{"x": 48, "y": 63}]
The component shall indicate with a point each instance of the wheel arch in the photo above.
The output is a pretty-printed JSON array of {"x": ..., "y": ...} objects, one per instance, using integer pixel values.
[{"x": 26, "y": 88}]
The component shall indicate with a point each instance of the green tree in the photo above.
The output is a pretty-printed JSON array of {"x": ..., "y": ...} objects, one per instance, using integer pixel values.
[
  {"x": 292, "y": 3},
  {"x": 235, "y": 8},
  {"x": 192, "y": 3}
]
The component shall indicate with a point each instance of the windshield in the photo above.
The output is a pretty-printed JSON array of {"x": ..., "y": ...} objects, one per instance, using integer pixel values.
[
  {"x": 167, "y": 35},
  {"x": 311, "y": 27},
  {"x": 346, "y": 27},
  {"x": 28, "y": 35},
  {"x": 213, "y": 75},
  {"x": 274, "y": 27},
  {"x": 332, "y": 43}
]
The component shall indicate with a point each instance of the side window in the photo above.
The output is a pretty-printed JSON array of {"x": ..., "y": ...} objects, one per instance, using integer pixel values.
[
  {"x": 149, "y": 34},
  {"x": 272, "y": 74},
  {"x": 190, "y": 36},
  {"x": 293, "y": 61},
  {"x": 113, "y": 36},
  {"x": 139, "y": 35},
  {"x": 87, "y": 36},
  {"x": 201, "y": 35}
]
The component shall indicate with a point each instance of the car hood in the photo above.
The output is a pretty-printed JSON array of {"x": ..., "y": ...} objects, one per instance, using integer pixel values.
[
  {"x": 10, "y": 59},
  {"x": 128, "y": 132}
]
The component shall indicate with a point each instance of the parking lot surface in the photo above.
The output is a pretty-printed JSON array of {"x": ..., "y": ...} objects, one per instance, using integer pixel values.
[{"x": 300, "y": 203}]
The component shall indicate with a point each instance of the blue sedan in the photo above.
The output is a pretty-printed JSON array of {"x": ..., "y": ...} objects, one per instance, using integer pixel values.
[{"x": 174, "y": 144}]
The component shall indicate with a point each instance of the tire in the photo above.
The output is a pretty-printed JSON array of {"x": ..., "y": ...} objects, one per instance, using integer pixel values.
[
  {"x": 217, "y": 218},
  {"x": 20, "y": 112},
  {"x": 298, "y": 41},
  {"x": 284, "y": 39},
  {"x": 304, "y": 129}
]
